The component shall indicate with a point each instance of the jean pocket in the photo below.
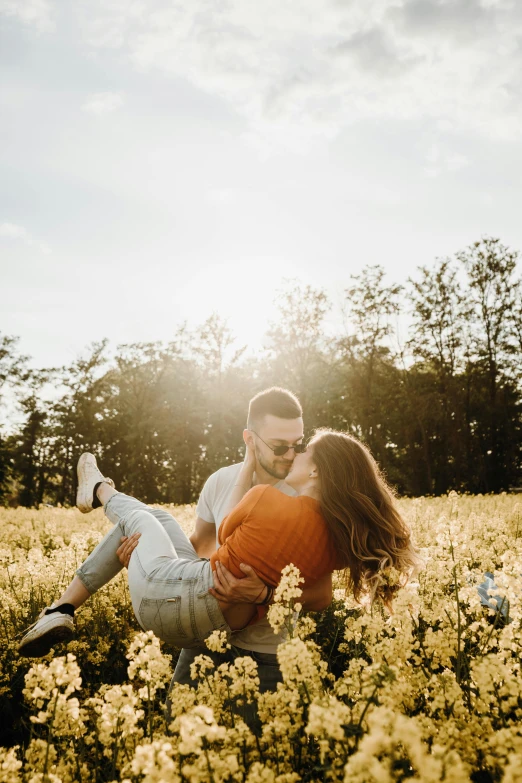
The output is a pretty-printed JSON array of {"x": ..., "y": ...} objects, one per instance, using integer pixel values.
[
  {"x": 163, "y": 617},
  {"x": 209, "y": 616}
]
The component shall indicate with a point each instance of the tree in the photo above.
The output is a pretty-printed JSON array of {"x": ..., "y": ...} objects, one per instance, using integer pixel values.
[
  {"x": 223, "y": 391},
  {"x": 441, "y": 411},
  {"x": 75, "y": 418},
  {"x": 13, "y": 365},
  {"x": 298, "y": 352},
  {"x": 32, "y": 447},
  {"x": 370, "y": 309},
  {"x": 438, "y": 333},
  {"x": 516, "y": 328},
  {"x": 490, "y": 268},
  {"x": 13, "y": 374}
]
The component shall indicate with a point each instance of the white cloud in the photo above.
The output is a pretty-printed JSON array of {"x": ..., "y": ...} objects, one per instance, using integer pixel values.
[
  {"x": 103, "y": 103},
  {"x": 222, "y": 196},
  {"x": 312, "y": 68},
  {"x": 17, "y": 232},
  {"x": 440, "y": 160},
  {"x": 455, "y": 162},
  {"x": 34, "y": 13},
  {"x": 12, "y": 230}
]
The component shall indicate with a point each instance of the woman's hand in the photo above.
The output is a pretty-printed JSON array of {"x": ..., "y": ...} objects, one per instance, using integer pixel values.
[
  {"x": 126, "y": 548},
  {"x": 250, "y": 589},
  {"x": 249, "y": 463}
]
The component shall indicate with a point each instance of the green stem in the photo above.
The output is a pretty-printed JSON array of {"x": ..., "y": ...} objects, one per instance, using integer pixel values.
[
  {"x": 421, "y": 645},
  {"x": 459, "y": 622},
  {"x": 209, "y": 767},
  {"x": 230, "y": 705},
  {"x": 149, "y": 711},
  {"x": 259, "y": 749},
  {"x": 49, "y": 737},
  {"x": 116, "y": 748},
  {"x": 366, "y": 706},
  {"x": 459, "y": 627},
  {"x": 333, "y": 643},
  {"x": 493, "y": 627}
]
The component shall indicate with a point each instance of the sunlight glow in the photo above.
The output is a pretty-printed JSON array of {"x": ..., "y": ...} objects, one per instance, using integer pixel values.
[{"x": 243, "y": 293}]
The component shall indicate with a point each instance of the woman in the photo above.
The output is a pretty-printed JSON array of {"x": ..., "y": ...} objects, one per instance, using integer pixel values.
[{"x": 343, "y": 518}]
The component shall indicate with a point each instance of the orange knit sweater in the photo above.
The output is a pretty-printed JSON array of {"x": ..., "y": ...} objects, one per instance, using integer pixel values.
[{"x": 269, "y": 530}]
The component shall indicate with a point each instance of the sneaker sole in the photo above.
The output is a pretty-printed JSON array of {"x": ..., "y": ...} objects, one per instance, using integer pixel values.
[
  {"x": 83, "y": 503},
  {"x": 37, "y": 648}
]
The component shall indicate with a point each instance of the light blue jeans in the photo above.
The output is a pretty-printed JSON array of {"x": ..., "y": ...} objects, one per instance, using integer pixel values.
[{"x": 168, "y": 582}]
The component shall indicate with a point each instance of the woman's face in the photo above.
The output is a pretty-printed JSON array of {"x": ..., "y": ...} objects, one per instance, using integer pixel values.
[{"x": 302, "y": 466}]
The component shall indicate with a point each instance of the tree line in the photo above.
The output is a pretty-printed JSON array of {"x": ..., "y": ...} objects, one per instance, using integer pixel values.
[{"x": 428, "y": 374}]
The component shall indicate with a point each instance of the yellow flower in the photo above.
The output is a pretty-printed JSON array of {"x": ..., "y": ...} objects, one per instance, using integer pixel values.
[
  {"x": 10, "y": 765},
  {"x": 148, "y": 664},
  {"x": 217, "y": 641}
]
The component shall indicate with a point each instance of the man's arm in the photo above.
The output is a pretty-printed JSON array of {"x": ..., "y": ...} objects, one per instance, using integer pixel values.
[
  {"x": 249, "y": 589},
  {"x": 203, "y": 538}
]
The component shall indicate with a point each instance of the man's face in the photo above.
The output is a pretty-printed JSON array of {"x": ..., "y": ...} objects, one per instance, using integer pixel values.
[{"x": 277, "y": 432}]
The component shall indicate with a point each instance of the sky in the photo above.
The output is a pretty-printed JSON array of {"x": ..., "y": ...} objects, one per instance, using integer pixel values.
[{"x": 162, "y": 160}]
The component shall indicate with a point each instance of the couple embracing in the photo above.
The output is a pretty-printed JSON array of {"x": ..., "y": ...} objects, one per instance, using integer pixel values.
[{"x": 323, "y": 506}]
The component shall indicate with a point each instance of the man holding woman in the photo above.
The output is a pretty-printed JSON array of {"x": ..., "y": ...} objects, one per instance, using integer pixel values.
[{"x": 338, "y": 515}]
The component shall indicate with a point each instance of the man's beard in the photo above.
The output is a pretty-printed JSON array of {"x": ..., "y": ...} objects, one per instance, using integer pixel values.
[{"x": 279, "y": 471}]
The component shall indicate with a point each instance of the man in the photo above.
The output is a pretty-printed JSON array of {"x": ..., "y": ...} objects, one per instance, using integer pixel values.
[{"x": 275, "y": 424}]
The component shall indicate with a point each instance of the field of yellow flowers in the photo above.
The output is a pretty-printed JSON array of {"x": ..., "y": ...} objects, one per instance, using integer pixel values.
[{"x": 431, "y": 693}]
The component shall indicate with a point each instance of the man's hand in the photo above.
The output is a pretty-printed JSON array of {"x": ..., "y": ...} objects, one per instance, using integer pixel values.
[
  {"x": 247, "y": 590},
  {"x": 126, "y": 548}
]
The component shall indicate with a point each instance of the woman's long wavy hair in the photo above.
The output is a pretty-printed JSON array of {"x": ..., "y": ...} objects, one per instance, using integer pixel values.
[{"x": 371, "y": 538}]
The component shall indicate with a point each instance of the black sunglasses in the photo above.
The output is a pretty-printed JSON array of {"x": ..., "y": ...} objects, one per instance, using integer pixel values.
[{"x": 299, "y": 448}]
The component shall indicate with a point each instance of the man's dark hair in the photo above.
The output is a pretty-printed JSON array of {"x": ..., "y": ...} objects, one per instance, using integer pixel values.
[{"x": 275, "y": 402}]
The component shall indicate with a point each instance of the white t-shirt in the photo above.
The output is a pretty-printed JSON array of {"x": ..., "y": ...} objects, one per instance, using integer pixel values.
[{"x": 212, "y": 507}]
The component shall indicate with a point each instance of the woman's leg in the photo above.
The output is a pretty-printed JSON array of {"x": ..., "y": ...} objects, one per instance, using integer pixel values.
[
  {"x": 158, "y": 556},
  {"x": 156, "y": 546},
  {"x": 169, "y": 592},
  {"x": 102, "y": 559},
  {"x": 102, "y": 564}
]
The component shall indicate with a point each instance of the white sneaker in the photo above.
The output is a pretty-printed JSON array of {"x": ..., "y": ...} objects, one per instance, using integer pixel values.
[
  {"x": 45, "y": 634},
  {"x": 88, "y": 476}
]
